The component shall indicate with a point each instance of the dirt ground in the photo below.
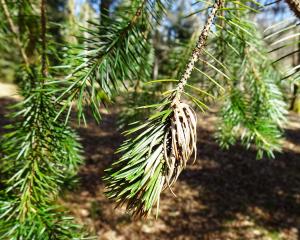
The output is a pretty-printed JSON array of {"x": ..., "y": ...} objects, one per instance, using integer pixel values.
[{"x": 224, "y": 195}]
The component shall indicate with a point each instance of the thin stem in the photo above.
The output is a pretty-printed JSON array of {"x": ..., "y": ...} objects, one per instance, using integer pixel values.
[
  {"x": 14, "y": 30},
  {"x": 43, "y": 38},
  {"x": 197, "y": 51}
]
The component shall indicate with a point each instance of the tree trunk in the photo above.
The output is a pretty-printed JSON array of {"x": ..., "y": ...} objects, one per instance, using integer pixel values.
[
  {"x": 294, "y": 6},
  {"x": 295, "y": 103},
  {"x": 71, "y": 30}
]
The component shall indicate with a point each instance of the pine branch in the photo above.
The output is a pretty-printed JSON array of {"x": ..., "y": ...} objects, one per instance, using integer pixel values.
[
  {"x": 253, "y": 110},
  {"x": 110, "y": 59},
  {"x": 160, "y": 147},
  {"x": 39, "y": 156}
]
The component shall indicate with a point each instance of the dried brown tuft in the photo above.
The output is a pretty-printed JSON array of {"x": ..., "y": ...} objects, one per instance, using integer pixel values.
[{"x": 180, "y": 141}]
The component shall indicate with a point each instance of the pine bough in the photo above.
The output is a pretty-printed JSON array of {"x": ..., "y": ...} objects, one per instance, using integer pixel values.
[{"x": 160, "y": 148}]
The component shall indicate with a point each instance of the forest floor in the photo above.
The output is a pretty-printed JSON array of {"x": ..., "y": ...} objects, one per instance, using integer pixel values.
[{"x": 225, "y": 195}]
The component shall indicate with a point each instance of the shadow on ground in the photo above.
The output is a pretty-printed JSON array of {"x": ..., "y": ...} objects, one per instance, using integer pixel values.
[{"x": 225, "y": 195}]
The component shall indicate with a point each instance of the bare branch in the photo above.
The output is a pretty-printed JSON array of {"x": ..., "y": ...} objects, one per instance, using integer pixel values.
[{"x": 197, "y": 50}]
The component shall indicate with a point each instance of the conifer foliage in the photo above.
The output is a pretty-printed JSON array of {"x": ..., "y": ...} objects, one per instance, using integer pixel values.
[
  {"x": 39, "y": 155},
  {"x": 153, "y": 159},
  {"x": 114, "y": 52},
  {"x": 40, "y": 152},
  {"x": 253, "y": 110}
]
